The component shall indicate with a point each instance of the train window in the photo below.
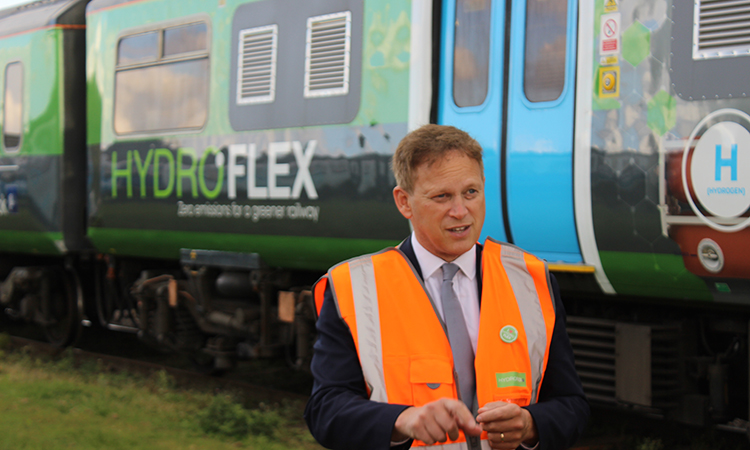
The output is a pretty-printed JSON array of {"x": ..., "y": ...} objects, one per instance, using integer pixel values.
[
  {"x": 546, "y": 34},
  {"x": 471, "y": 52},
  {"x": 256, "y": 80},
  {"x": 13, "y": 107},
  {"x": 169, "y": 91},
  {"x": 139, "y": 48},
  {"x": 327, "y": 55},
  {"x": 185, "y": 39}
]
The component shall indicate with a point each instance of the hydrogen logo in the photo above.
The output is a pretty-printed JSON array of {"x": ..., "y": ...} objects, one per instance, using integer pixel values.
[
  {"x": 731, "y": 162},
  {"x": 720, "y": 170}
]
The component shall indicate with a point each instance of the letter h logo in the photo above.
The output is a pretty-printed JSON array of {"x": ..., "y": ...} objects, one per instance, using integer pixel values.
[{"x": 730, "y": 162}]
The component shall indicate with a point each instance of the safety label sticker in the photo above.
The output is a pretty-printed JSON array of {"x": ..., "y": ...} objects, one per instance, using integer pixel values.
[
  {"x": 610, "y": 5},
  {"x": 609, "y": 38},
  {"x": 609, "y": 60}
]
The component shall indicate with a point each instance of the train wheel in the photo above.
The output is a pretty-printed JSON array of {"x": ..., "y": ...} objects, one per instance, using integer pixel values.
[{"x": 64, "y": 309}]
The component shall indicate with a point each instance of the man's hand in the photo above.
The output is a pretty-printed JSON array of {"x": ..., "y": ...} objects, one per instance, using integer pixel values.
[
  {"x": 432, "y": 422},
  {"x": 508, "y": 425}
]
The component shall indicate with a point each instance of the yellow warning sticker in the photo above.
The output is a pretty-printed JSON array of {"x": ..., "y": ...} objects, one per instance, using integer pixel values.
[
  {"x": 609, "y": 60},
  {"x": 609, "y": 82},
  {"x": 610, "y": 5}
]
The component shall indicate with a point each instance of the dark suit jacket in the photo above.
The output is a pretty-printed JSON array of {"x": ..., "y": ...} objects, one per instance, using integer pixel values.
[{"x": 341, "y": 417}]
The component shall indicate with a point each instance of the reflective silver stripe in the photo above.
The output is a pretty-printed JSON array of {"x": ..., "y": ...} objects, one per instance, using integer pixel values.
[
  {"x": 549, "y": 287},
  {"x": 530, "y": 307},
  {"x": 367, "y": 315},
  {"x": 333, "y": 290}
]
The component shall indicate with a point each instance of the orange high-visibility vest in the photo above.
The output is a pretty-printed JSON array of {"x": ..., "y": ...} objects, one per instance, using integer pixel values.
[{"x": 401, "y": 340}]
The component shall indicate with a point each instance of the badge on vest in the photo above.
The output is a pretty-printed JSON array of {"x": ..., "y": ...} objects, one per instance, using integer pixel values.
[
  {"x": 509, "y": 334},
  {"x": 508, "y": 379}
]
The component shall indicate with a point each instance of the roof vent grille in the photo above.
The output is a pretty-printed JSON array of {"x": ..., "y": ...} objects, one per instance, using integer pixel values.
[
  {"x": 721, "y": 29},
  {"x": 256, "y": 78},
  {"x": 327, "y": 57}
]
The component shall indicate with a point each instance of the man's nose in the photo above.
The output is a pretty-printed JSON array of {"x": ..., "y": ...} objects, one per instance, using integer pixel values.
[{"x": 458, "y": 207}]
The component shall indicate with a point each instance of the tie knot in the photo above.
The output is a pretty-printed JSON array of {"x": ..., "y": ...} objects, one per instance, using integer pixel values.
[{"x": 449, "y": 271}]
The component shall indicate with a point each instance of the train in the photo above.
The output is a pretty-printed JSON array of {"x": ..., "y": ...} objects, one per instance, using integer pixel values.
[{"x": 186, "y": 169}]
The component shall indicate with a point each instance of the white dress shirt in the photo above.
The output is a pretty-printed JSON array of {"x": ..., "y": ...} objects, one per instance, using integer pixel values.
[{"x": 464, "y": 284}]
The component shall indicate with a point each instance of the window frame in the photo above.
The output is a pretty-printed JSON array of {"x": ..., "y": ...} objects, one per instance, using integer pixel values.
[{"x": 161, "y": 60}]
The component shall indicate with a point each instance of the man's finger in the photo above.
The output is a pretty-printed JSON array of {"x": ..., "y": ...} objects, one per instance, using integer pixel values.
[
  {"x": 422, "y": 433},
  {"x": 464, "y": 418},
  {"x": 458, "y": 410},
  {"x": 502, "y": 412},
  {"x": 491, "y": 405},
  {"x": 447, "y": 422},
  {"x": 435, "y": 431},
  {"x": 453, "y": 433}
]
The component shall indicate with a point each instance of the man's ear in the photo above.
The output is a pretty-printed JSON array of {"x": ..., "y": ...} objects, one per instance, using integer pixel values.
[{"x": 403, "y": 201}]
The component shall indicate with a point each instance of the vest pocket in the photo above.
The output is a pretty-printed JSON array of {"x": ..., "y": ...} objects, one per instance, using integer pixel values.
[
  {"x": 431, "y": 379},
  {"x": 519, "y": 398}
]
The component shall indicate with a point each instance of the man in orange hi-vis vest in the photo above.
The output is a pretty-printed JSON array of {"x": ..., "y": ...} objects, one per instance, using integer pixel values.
[{"x": 443, "y": 342}]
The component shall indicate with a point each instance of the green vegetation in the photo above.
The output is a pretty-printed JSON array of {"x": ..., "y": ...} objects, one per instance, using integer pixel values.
[
  {"x": 651, "y": 444},
  {"x": 56, "y": 403},
  {"x": 225, "y": 417}
]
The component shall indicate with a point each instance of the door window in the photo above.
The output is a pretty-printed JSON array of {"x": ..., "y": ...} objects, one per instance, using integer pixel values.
[
  {"x": 546, "y": 34},
  {"x": 471, "y": 52}
]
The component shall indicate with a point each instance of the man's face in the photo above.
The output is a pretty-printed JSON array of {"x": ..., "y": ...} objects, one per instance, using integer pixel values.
[{"x": 446, "y": 207}]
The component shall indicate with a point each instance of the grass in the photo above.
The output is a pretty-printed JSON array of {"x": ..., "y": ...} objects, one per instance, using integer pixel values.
[{"x": 56, "y": 404}]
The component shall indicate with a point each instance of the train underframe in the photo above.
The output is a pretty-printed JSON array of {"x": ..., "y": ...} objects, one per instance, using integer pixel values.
[
  {"x": 683, "y": 362},
  {"x": 686, "y": 363},
  {"x": 214, "y": 307}
]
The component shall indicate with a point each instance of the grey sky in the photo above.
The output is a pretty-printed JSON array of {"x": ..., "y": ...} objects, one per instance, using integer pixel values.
[{"x": 8, "y": 3}]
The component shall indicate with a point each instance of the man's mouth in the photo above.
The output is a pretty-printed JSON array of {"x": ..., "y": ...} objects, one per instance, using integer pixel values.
[{"x": 459, "y": 229}]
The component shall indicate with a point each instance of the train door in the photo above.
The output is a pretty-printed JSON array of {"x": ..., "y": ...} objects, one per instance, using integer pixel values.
[
  {"x": 471, "y": 88},
  {"x": 508, "y": 77}
]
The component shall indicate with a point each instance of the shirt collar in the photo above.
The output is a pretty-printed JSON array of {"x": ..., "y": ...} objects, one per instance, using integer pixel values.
[{"x": 430, "y": 263}]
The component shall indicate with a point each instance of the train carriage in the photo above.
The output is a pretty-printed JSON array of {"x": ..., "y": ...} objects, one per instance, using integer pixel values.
[
  {"x": 43, "y": 163},
  {"x": 236, "y": 149}
]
